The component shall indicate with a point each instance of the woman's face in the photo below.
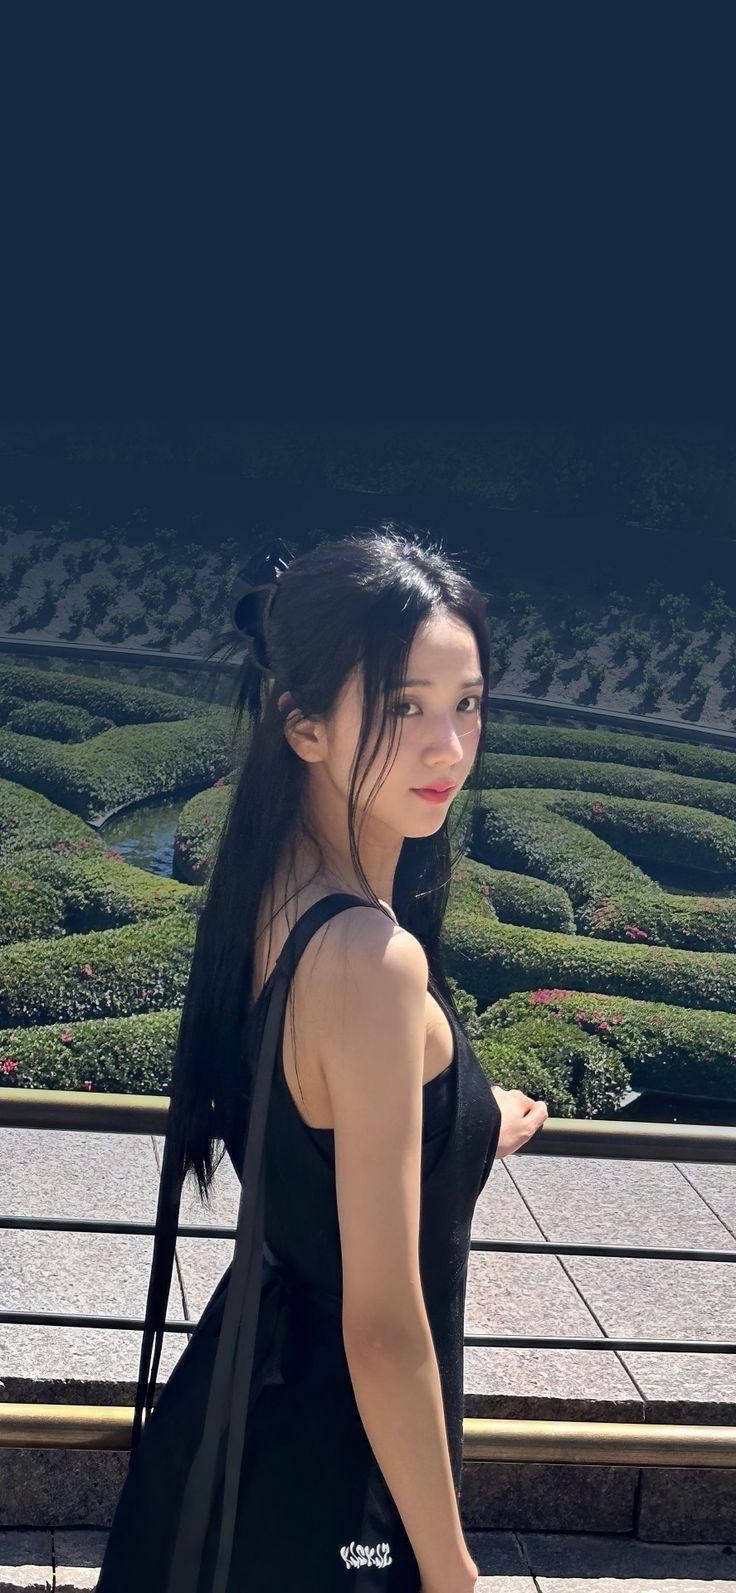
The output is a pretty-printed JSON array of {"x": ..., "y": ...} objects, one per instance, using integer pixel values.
[{"x": 437, "y": 734}]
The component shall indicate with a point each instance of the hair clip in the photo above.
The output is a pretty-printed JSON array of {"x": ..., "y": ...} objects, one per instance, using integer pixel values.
[{"x": 252, "y": 595}]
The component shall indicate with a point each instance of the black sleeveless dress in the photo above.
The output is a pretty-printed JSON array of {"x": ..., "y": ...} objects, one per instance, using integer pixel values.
[{"x": 254, "y": 1471}]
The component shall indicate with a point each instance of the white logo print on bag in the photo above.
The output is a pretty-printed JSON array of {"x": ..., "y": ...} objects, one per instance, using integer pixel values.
[{"x": 357, "y": 1554}]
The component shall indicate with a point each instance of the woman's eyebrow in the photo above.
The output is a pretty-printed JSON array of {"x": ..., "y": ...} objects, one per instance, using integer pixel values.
[{"x": 477, "y": 681}]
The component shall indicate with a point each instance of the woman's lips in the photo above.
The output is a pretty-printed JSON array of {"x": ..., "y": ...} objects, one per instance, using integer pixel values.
[{"x": 434, "y": 796}]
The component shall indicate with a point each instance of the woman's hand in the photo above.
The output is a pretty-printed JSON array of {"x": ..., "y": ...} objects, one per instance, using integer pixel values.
[{"x": 521, "y": 1117}]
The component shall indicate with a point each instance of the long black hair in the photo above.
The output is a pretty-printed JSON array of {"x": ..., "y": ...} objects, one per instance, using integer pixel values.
[{"x": 353, "y": 602}]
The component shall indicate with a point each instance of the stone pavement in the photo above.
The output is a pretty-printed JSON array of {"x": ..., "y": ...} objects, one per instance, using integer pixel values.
[
  {"x": 508, "y": 1562},
  {"x": 82, "y": 1174}
]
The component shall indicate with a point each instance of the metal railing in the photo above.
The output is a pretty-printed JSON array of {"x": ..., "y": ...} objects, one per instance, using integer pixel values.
[{"x": 485, "y": 1438}]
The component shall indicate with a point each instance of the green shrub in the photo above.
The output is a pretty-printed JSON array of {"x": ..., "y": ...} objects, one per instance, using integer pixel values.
[
  {"x": 572, "y": 1072},
  {"x": 680, "y": 1050},
  {"x": 641, "y": 647},
  {"x": 30, "y": 909},
  {"x": 584, "y": 635},
  {"x": 596, "y": 673},
  {"x": 653, "y": 686},
  {"x": 55, "y": 721},
  {"x": 693, "y": 661}
]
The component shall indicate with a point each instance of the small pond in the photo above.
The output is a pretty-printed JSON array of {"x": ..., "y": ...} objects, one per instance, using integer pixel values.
[{"x": 144, "y": 835}]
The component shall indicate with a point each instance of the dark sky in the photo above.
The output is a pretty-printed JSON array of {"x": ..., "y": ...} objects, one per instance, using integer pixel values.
[{"x": 520, "y": 211}]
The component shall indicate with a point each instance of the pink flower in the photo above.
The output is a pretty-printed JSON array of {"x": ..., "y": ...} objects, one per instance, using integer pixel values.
[
  {"x": 88, "y": 969},
  {"x": 603, "y": 1026},
  {"x": 541, "y": 995},
  {"x": 221, "y": 781},
  {"x": 8, "y": 1064},
  {"x": 581, "y": 1017},
  {"x": 66, "y": 1036}
]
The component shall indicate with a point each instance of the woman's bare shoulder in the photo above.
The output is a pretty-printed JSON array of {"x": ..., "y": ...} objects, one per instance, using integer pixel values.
[{"x": 361, "y": 939}]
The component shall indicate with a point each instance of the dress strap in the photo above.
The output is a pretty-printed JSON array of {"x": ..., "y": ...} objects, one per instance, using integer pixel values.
[{"x": 231, "y": 1383}]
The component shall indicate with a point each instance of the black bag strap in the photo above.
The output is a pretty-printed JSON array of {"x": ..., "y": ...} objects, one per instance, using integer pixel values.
[{"x": 230, "y": 1386}]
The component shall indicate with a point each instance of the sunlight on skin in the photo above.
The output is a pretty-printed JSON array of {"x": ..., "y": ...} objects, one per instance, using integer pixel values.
[{"x": 437, "y": 739}]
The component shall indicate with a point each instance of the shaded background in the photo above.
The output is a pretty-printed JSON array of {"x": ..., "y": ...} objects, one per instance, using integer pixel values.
[
  {"x": 295, "y": 273},
  {"x": 521, "y": 212}
]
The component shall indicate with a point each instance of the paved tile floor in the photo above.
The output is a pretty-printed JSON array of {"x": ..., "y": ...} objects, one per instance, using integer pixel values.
[{"x": 508, "y": 1562}]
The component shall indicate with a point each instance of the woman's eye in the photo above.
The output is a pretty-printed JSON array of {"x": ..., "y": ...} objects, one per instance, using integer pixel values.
[{"x": 475, "y": 701}]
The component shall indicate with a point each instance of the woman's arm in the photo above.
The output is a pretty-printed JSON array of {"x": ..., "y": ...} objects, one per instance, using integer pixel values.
[
  {"x": 369, "y": 1006},
  {"x": 398, "y": 1393}
]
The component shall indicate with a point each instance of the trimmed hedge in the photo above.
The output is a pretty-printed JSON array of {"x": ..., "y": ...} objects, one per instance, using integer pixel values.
[
  {"x": 113, "y": 973},
  {"x": 8, "y": 702},
  {"x": 502, "y": 770},
  {"x": 29, "y": 821},
  {"x": 520, "y": 899},
  {"x": 98, "y": 890},
  {"x": 123, "y": 704},
  {"x": 569, "y": 839},
  {"x": 492, "y": 959},
  {"x": 612, "y": 746},
  {"x": 135, "y": 762},
  {"x": 673, "y": 1049},
  {"x": 56, "y": 721},
  {"x": 128, "y": 1056},
  {"x": 30, "y": 907},
  {"x": 537, "y": 929},
  {"x": 589, "y": 975},
  {"x": 200, "y": 825},
  {"x": 572, "y": 1072},
  {"x": 158, "y": 743},
  {"x": 86, "y": 934}
]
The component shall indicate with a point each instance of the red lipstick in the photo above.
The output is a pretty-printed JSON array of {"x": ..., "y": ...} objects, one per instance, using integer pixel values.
[{"x": 434, "y": 793}]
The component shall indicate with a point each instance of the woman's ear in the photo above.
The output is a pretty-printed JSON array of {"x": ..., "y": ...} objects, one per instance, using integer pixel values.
[{"x": 304, "y": 735}]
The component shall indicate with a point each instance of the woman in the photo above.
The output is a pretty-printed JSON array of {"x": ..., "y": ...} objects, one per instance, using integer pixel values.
[{"x": 310, "y": 1434}]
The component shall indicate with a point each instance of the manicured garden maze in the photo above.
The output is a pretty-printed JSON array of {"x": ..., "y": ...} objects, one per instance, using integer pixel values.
[
  {"x": 94, "y": 952},
  {"x": 587, "y": 972},
  {"x": 152, "y": 743},
  {"x": 574, "y": 971},
  {"x": 577, "y": 974}
]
